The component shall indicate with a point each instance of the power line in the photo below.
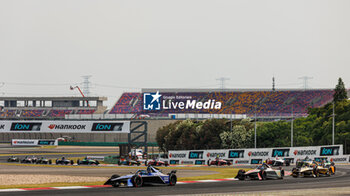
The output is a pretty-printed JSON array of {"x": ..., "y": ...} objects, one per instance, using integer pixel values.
[
  {"x": 305, "y": 83},
  {"x": 222, "y": 82},
  {"x": 86, "y": 85}
]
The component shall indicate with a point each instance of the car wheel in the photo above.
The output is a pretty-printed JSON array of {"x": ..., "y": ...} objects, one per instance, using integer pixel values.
[
  {"x": 262, "y": 175},
  {"x": 136, "y": 181},
  {"x": 172, "y": 180},
  {"x": 241, "y": 175},
  {"x": 316, "y": 173},
  {"x": 72, "y": 162},
  {"x": 115, "y": 184}
]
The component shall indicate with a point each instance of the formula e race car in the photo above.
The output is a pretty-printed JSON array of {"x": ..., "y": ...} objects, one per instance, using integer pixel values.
[
  {"x": 150, "y": 176},
  {"x": 87, "y": 161},
  {"x": 157, "y": 163},
  {"x": 262, "y": 172},
  {"x": 330, "y": 166},
  {"x": 277, "y": 162},
  {"x": 308, "y": 168},
  {"x": 64, "y": 161},
  {"x": 29, "y": 159},
  {"x": 129, "y": 162},
  {"x": 13, "y": 159},
  {"x": 43, "y": 160},
  {"x": 218, "y": 162}
]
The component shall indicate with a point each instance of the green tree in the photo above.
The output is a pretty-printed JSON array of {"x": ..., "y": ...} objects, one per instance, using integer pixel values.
[
  {"x": 209, "y": 133},
  {"x": 339, "y": 91},
  {"x": 239, "y": 137},
  {"x": 162, "y": 133}
]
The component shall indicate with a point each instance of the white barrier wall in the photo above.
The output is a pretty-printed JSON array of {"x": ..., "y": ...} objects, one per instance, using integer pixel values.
[
  {"x": 257, "y": 156},
  {"x": 64, "y": 126}
]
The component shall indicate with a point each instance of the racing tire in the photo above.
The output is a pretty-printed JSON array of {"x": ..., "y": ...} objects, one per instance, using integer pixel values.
[
  {"x": 282, "y": 173},
  {"x": 119, "y": 163},
  {"x": 287, "y": 163},
  {"x": 78, "y": 162},
  {"x": 172, "y": 180},
  {"x": 316, "y": 173},
  {"x": 137, "y": 181},
  {"x": 115, "y": 184},
  {"x": 241, "y": 175},
  {"x": 50, "y": 161},
  {"x": 263, "y": 175}
]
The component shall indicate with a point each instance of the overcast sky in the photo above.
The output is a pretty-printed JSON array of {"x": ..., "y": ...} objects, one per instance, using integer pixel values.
[{"x": 46, "y": 45}]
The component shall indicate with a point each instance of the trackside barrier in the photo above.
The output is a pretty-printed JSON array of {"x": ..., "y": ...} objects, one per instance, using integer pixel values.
[
  {"x": 36, "y": 142},
  {"x": 258, "y": 155}
]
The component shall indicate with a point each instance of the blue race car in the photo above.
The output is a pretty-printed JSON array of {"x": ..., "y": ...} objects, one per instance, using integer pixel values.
[{"x": 150, "y": 176}]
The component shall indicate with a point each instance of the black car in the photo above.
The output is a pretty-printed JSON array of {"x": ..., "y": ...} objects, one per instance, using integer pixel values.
[
  {"x": 87, "y": 161},
  {"x": 43, "y": 160},
  {"x": 64, "y": 161},
  {"x": 29, "y": 159},
  {"x": 141, "y": 177}
]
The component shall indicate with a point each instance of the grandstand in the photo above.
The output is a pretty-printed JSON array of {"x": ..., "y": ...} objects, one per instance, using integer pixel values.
[
  {"x": 49, "y": 107},
  {"x": 265, "y": 103}
]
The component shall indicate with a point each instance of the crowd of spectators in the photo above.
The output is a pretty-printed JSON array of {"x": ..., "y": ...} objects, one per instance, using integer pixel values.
[{"x": 263, "y": 103}]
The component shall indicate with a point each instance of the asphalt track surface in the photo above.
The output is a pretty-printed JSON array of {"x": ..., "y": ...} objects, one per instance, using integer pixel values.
[{"x": 341, "y": 179}]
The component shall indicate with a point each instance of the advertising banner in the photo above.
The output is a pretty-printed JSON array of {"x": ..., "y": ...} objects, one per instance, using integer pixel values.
[
  {"x": 65, "y": 126},
  {"x": 39, "y": 142},
  {"x": 258, "y": 155}
]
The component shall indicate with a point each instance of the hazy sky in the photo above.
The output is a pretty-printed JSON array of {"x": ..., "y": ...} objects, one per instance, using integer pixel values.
[{"x": 46, "y": 45}]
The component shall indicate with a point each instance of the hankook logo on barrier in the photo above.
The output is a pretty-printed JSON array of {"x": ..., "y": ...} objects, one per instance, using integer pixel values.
[
  {"x": 187, "y": 162},
  {"x": 216, "y": 154},
  {"x": 2, "y": 126},
  {"x": 177, "y": 155},
  {"x": 304, "y": 152},
  {"x": 258, "y": 153},
  {"x": 341, "y": 159},
  {"x": 72, "y": 127},
  {"x": 242, "y": 161}
]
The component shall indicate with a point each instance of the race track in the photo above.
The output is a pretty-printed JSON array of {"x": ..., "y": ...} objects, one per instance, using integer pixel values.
[{"x": 341, "y": 179}]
